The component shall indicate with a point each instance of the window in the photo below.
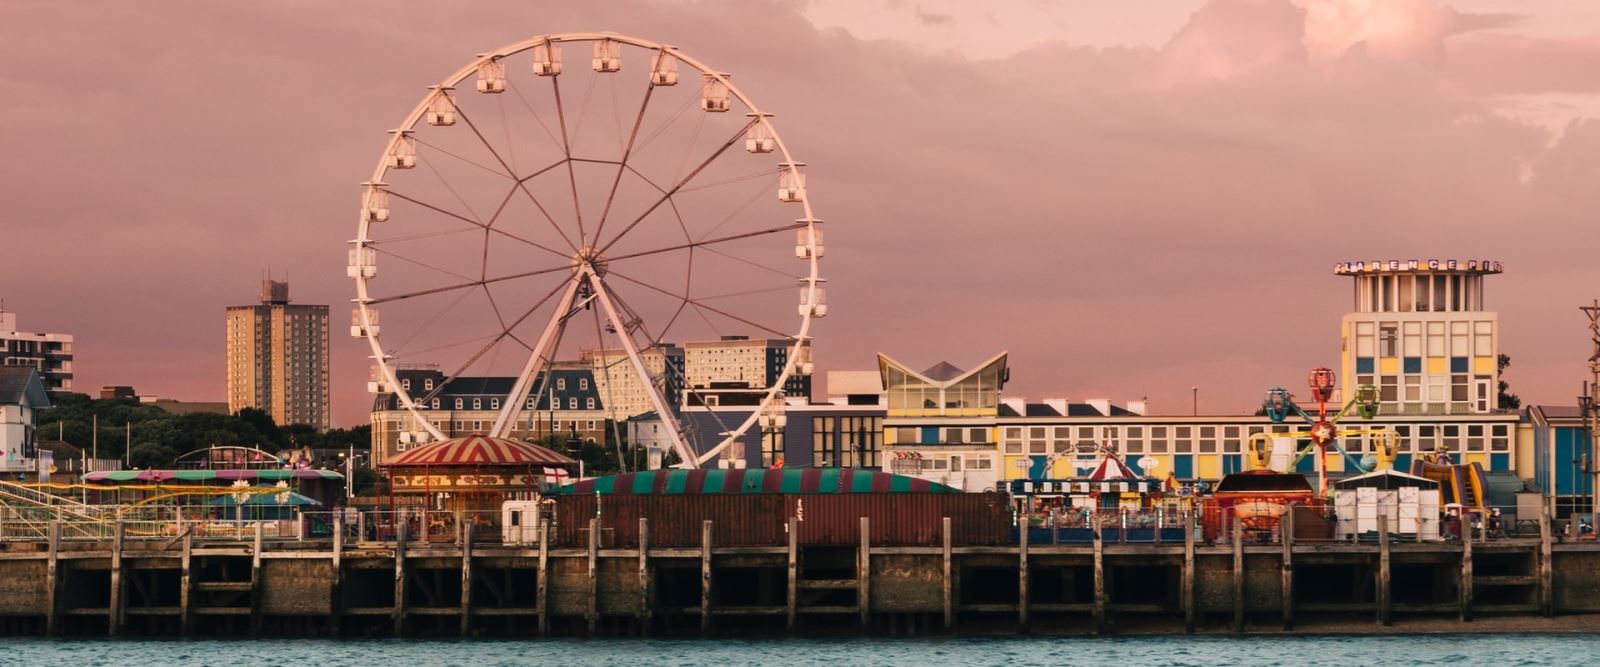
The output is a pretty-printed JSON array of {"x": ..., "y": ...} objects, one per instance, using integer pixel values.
[
  {"x": 825, "y": 443},
  {"x": 590, "y": 425},
  {"x": 572, "y": 403},
  {"x": 477, "y": 404},
  {"x": 436, "y": 404},
  {"x": 588, "y": 403},
  {"x": 771, "y": 447},
  {"x": 583, "y": 384},
  {"x": 1436, "y": 340},
  {"x": 1482, "y": 339},
  {"x": 561, "y": 383},
  {"x": 1012, "y": 437},
  {"x": 978, "y": 435},
  {"x": 1036, "y": 440},
  {"x": 427, "y": 385},
  {"x": 1158, "y": 440},
  {"x": 1406, "y": 283},
  {"x": 405, "y": 383},
  {"x": 1388, "y": 340},
  {"x": 494, "y": 404},
  {"x": 459, "y": 403}
]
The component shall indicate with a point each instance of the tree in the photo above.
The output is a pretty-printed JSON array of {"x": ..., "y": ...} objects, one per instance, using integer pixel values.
[
  {"x": 1508, "y": 400},
  {"x": 150, "y": 455}
]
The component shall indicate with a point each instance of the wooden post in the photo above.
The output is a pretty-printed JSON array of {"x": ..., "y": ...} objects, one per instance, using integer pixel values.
[
  {"x": 1022, "y": 578},
  {"x": 646, "y": 608},
  {"x": 1385, "y": 597},
  {"x": 119, "y": 591},
  {"x": 1286, "y": 569},
  {"x": 705, "y": 577},
  {"x": 398, "y": 614},
  {"x": 542, "y": 579},
  {"x": 1097, "y": 615},
  {"x": 1186, "y": 596},
  {"x": 864, "y": 575},
  {"x": 1546, "y": 567},
  {"x": 185, "y": 586},
  {"x": 1466, "y": 571},
  {"x": 52, "y": 582},
  {"x": 949, "y": 597},
  {"x": 255, "y": 582},
  {"x": 1238, "y": 574},
  {"x": 466, "y": 578},
  {"x": 592, "y": 616},
  {"x": 794, "y": 574},
  {"x": 335, "y": 591}
]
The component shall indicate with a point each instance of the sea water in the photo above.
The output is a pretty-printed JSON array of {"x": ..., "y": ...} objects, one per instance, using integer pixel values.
[{"x": 1218, "y": 651}]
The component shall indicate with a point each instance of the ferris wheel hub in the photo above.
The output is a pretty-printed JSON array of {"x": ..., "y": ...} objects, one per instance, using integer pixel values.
[{"x": 591, "y": 259}]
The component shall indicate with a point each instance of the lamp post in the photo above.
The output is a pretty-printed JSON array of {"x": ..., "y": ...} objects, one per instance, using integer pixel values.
[
  {"x": 1591, "y": 396},
  {"x": 1195, "y": 393},
  {"x": 1587, "y": 410}
]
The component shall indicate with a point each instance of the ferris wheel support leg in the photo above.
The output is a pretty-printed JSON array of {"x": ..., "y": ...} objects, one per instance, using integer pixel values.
[
  {"x": 657, "y": 401},
  {"x": 536, "y": 361}
]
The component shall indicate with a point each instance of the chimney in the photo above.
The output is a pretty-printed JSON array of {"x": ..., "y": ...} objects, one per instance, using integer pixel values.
[
  {"x": 1101, "y": 405},
  {"x": 1057, "y": 404},
  {"x": 1016, "y": 403},
  {"x": 1140, "y": 407}
]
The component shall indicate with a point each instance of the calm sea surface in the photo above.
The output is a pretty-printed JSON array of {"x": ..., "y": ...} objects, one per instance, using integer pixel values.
[{"x": 1497, "y": 650}]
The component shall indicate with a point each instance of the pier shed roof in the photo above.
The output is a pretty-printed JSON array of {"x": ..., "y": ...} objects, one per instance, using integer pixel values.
[{"x": 756, "y": 480}]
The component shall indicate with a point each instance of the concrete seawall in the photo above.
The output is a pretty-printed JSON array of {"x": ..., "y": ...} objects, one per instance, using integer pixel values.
[{"x": 179, "y": 587}]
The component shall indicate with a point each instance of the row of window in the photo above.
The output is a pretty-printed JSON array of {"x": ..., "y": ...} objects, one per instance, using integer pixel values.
[
  {"x": 1228, "y": 439},
  {"x": 494, "y": 403},
  {"x": 1414, "y": 340},
  {"x": 561, "y": 383},
  {"x": 1419, "y": 293},
  {"x": 844, "y": 442}
]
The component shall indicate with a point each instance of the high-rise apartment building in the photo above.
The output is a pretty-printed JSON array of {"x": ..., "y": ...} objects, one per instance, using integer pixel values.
[
  {"x": 619, "y": 388},
  {"x": 740, "y": 360},
  {"x": 278, "y": 358},
  {"x": 48, "y": 353}
]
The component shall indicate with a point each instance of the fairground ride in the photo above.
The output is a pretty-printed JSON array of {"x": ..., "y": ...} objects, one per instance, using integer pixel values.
[{"x": 1321, "y": 431}]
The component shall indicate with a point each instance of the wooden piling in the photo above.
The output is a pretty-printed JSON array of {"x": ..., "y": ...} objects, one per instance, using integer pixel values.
[
  {"x": 1186, "y": 595},
  {"x": 52, "y": 582},
  {"x": 1466, "y": 570},
  {"x": 1286, "y": 567},
  {"x": 1022, "y": 578},
  {"x": 794, "y": 575},
  {"x": 466, "y": 578},
  {"x": 119, "y": 589},
  {"x": 1546, "y": 568},
  {"x": 705, "y": 577},
  {"x": 397, "y": 615},
  {"x": 592, "y": 615},
  {"x": 336, "y": 587},
  {"x": 1384, "y": 594},
  {"x": 186, "y": 585},
  {"x": 1238, "y": 574},
  {"x": 1097, "y": 615},
  {"x": 864, "y": 575},
  {"x": 541, "y": 593},
  {"x": 646, "y": 604},
  {"x": 949, "y": 597},
  {"x": 256, "y": 592}
]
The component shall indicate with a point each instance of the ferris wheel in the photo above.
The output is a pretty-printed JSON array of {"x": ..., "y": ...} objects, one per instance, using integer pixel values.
[{"x": 531, "y": 213}]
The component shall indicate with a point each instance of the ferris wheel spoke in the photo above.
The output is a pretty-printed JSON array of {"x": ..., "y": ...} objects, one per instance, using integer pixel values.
[
  {"x": 662, "y": 408},
  {"x": 756, "y": 265},
  {"x": 566, "y": 147},
  {"x": 467, "y": 285},
  {"x": 627, "y": 151},
  {"x": 495, "y": 341},
  {"x": 681, "y": 183},
  {"x": 539, "y": 356},
  {"x": 474, "y": 222},
  {"x": 467, "y": 160},
  {"x": 389, "y": 253},
  {"x": 698, "y": 304},
  {"x": 521, "y": 184},
  {"x": 710, "y": 242}
]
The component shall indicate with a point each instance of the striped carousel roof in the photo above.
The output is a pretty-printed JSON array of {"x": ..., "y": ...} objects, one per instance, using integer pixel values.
[
  {"x": 1112, "y": 468},
  {"x": 478, "y": 450}
]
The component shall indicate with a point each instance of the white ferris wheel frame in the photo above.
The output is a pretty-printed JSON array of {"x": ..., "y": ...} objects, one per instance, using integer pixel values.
[{"x": 585, "y": 272}]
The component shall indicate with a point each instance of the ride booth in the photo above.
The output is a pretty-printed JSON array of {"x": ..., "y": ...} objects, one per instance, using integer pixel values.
[
  {"x": 1408, "y": 506},
  {"x": 1123, "y": 505}
]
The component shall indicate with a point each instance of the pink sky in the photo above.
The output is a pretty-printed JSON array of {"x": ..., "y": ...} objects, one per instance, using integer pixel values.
[{"x": 1132, "y": 199}]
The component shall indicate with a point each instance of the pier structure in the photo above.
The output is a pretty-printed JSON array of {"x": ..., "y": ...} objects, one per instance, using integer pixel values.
[{"x": 626, "y": 583}]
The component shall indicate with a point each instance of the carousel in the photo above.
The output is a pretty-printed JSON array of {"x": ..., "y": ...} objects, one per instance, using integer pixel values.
[{"x": 468, "y": 479}]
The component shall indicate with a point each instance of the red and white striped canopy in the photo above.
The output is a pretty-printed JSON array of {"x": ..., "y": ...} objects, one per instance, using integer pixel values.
[
  {"x": 1112, "y": 468},
  {"x": 479, "y": 450}
]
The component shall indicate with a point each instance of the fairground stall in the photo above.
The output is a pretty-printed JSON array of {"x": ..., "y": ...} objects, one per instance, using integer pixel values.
[
  {"x": 1124, "y": 505},
  {"x": 468, "y": 479}
]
